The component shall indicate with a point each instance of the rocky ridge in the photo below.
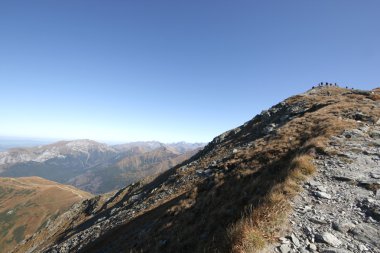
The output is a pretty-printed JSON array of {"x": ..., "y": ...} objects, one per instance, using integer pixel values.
[
  {"x": 194, "y": 206},
  {"x": 339, "y": 209}
]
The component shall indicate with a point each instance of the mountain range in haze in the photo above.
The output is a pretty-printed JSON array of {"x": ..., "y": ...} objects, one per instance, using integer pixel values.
[{"x": 93, "y": 166}]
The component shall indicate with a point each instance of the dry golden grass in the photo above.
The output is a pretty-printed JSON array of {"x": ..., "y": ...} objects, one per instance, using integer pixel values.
[
  {"x": 27, "y": 203},
  {"x": 261, "y": 223},
  {"x": 309, "y": 135}
]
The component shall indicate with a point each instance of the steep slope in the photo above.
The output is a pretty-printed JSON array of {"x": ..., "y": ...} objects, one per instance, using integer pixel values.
[
  {"x": 89, "y": 165},
  {"x": 28, "y": 203},
  {"x": 233, "y": 196}
]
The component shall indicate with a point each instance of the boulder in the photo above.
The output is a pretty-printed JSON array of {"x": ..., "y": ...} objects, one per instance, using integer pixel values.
[{"x": 328, "y": 238}]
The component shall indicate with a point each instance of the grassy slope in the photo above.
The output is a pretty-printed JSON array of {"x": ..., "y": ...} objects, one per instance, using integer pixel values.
[
  {"x": 27, "y": 203},
  {"x": 243, "y": 210}
]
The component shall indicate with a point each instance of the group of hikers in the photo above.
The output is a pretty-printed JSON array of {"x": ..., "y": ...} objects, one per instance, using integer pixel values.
[{"x": 328, "y": 84}]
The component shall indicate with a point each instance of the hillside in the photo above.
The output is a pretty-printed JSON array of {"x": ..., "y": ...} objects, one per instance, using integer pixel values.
[
  {"x": 27, "y": 204},
  {"x": 276, "y": 183},
  {"x": 93, "y": 166},
  {"x": 131, "y": 168}
]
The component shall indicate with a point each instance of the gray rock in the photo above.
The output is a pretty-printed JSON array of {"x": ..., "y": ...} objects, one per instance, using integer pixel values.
[
  {"x": 362, "y": 247},
  {"x": 343, "y": 227},
  {"x": 284, "y": 240},
  {"x": 323, "y": 195},
  {"x": 135, "y": 197},
  {"x": 377, "y": 196},
  {"x": 321, "y": 188},
  {"x": 284, "y": 248},
  {"x": 314, "y": 183},
  {"x": 269, "y": 129},
  {"x": 328, "y": 238},
  {"x": 312, "y": 247},
  {"x": 367, "y": 234},
  {"x": 208, "y": 171},
  {"x": 295, "y": 240},
  {"x": 334, "y": 250},
  {"x": 318, "y": 220},
  {"x": 199, "y": 172},
  {"x": 375, "y": 134},
  {"x": 375, "y": 175},
  {"x": 369, "y": 182},
  {"x": 346, "y": 177}
]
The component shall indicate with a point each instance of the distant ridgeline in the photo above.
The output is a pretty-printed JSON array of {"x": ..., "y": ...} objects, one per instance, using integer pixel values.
[{"x": 93, "y": 166}]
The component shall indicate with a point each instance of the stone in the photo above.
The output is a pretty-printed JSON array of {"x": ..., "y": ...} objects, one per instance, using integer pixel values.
[
  {"x": 208, "y": 171},
  {"x": 328, "y": 238},
  {"x": 295, "y": 240},
  {"x": 284, "y": 240},
  {"x": 284, "y": 248},
  {"x": 314, "y": 183},
  {"x": 269, "y": 129},
  {"x": 318, "y": 220},
  {"x": 343, "y": 227},
  {"x": 323, "y": 195},
  {"x": 346, "y": 177},
  {"x": 307, "y": 231},
  {"x": 312, "y": 247},
  {"x": 377, "y": 196},
  {"x": 362, "y": 247},
  {"x": 334, "y": 250},
  {"x": 366, "y": 234},
  {"x": 321, "y": 188},
  {"x": 199, "y": 172},
  {"x": 234, "y": 151},
  {"x": 375, "y": 175},
  {"x": 375, "y": 134}
]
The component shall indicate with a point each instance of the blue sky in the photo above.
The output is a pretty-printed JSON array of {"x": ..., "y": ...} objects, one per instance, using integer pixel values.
[{"x": 172, "y": 70}]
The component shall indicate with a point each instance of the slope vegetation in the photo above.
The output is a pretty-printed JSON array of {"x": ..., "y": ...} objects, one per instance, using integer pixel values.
[
  {"x": 27, "y": 204},
  {"x": 233, "y": 196}
]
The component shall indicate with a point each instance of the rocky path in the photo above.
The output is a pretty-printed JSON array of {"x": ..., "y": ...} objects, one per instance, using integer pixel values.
[{"x": 339, "y": 209}]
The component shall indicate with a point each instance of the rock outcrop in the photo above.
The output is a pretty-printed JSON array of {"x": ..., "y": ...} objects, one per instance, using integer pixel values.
[{"x": 339, "y": 208}]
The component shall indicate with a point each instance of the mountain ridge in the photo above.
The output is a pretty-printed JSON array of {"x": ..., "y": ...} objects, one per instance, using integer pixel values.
[{"x": 234, "y": 195}]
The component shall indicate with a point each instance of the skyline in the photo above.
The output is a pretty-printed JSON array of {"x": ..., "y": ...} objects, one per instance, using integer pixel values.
[{"x": 172, "y": 71}]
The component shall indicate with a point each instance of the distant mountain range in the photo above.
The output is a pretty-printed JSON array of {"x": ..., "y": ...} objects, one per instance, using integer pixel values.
[
  {"x": 14, "y": 142},
  {"x": 93, "y": 166}
]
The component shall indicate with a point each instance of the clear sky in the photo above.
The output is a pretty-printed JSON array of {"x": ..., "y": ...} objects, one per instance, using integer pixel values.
[{"x": 172, "y": 70}]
